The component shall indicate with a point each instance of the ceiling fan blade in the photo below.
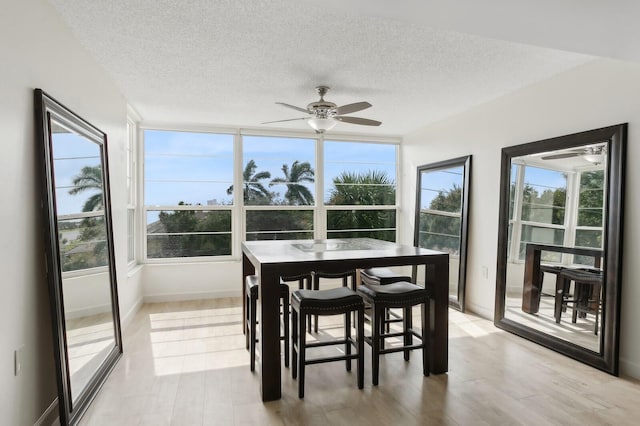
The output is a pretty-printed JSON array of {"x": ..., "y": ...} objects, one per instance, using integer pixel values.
[
  {"x": 562, "y": 155},
  {"x": 348, "y": 109},
  {"x": 358, "y": 120},
  {"x": 293, "y": 107},
  {"x": 290, "y": 119}
]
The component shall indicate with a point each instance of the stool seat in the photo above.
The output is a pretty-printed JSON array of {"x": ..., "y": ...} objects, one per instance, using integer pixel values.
[
  {"x": 381, "y": 276},
  {"x": 334, "y": 299},
  {"x": 399, "y": 293}
]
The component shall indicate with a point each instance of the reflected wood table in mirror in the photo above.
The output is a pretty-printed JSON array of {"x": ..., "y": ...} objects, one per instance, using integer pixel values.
[{"x": 560, "y": 243}]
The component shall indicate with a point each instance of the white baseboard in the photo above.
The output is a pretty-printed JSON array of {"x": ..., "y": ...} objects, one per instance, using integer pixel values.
[
  {"x": 478, "y": 310},
  {"x": 128, "y": 317},
  {"x": 50, "y": 416},
  {"x": 86, "y": 312},
  {"x": 629, "y": 368},
  {"x": 177, "y": 297}
]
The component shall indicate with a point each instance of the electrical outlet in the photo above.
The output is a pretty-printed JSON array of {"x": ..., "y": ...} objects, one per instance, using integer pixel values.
[{"x": 18, "y": 360}]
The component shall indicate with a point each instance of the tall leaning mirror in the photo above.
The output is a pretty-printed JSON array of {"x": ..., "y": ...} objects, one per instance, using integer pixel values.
[
  {"x": 560, "y": 243},
  {"x": 80, "y": 260},
  {"x": 442, "y": 210}
]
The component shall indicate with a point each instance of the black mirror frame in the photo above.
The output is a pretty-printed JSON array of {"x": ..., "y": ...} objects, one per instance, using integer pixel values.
[
  {"x": 465, "y": 163},
  {"x": 45, "y": 108},
  {"x": 608, "y": 358}
]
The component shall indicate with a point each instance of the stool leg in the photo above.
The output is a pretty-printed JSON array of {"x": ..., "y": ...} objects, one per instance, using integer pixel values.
[
  {"x": 252, "y": 325},
  {"x": 302, "y": 348},
  {"x": 360, "y": 341},
  {"x": 376, "y": 319},
  {"x": 316, "y": 286},
  {"x": 347, "y": 338},
  {"x": 285, "y": 326},
  {"x": 426, "y": 343},
  {"x": 294, "y": 343},
  {"x": 408, "y": 337},
  {"x": 247, "y": 318},
  {"x": 381, "y": 328}
]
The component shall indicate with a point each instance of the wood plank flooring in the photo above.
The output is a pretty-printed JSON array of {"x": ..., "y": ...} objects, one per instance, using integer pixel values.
[{"x": 185, "y": 363}]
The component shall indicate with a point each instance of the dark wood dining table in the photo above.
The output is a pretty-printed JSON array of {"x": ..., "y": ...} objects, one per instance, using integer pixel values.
[
  {"x": 275, "y": 258},
  {"x": 532, "y": 283}
]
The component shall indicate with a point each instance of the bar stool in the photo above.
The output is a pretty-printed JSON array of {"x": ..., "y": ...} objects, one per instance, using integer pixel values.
[
  {"x": 381, "y": 276},
  {"x": 347, "y": 277},
  {"x": 403, "y": 295},
  {"x": 252, "y": 282},
  {"x": 384, "y": 276},
  {"x": 587, "y": 294},
  {"x": 335, "y": 301}
]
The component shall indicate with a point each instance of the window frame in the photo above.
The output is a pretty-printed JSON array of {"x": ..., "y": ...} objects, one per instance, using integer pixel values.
[
  {"x": 238, "y": 209},
  {"x": 147, "y": 208}
]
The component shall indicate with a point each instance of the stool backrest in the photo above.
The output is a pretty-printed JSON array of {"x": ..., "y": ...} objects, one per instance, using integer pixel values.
[
  {"x": 304, "y": 280},
  {"x": 348, "y": 277}
]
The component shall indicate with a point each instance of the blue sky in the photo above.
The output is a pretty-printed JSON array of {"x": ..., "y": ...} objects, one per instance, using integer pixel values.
[
  {"x": 197, "y": 167},
  {"x": 436, "y": 181},
  {"x": 71, "y": 153}
]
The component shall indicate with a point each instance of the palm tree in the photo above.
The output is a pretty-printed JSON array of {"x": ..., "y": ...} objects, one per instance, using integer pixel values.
[
  {"x": 254, "y": 191},
  {"x": 297, "y": 194},
  {"x": 369, "y": 188},
  {"x": 89, "y": 179}
]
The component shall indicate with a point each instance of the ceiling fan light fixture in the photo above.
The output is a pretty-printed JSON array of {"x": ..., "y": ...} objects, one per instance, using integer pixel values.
[
  {"x": 594, "y": 158},
  {"x": 321, "y": 124}
]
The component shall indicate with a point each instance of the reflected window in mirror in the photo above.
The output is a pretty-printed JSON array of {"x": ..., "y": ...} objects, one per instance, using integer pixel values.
[
  {"x": 442, "y": 201},
  {"x": 79, "y": 253},
  {"x": 559, "y": 243}
]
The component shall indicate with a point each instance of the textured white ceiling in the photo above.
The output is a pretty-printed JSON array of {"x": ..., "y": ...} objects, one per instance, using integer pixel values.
[{"x": 226, "y": 62}]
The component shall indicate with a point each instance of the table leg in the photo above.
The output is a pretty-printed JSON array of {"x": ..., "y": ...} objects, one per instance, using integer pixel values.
[
  {"x": 269, "y": 299},
  {"x": 437, "y": 280},
  {"x": 532, "y": 284}
]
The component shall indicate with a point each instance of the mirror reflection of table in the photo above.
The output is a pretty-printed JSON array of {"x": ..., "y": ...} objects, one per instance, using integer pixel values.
[
  {"x": 273, "y": 259},
  {"x": 532, "y": 285}
]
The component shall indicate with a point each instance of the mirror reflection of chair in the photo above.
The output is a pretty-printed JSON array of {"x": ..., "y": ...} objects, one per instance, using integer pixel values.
[{"x": 586, "y": 297}]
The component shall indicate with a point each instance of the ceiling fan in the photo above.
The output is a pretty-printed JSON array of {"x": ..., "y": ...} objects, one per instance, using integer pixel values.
[
  {"x": 593, "y": 154},
  {"x": 324, "y": 115}
]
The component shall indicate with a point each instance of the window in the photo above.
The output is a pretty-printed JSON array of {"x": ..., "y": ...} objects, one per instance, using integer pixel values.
[
  {"x": 441, "y": 210},
  {"x": 589, "y": 223},
  {"x": 192, "y": 208},
  {"x": 278, "y": 181},
  {"x": 131, "y": 189},
  {"x": 360, "y": 189},
  {"x": 187, "y": 190},
  {"x": 79, "y": 203},
  {"x": 540, "y": 214}
]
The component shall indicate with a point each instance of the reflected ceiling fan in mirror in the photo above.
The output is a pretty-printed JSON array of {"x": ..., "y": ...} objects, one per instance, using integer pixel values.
[
  {"x": 324, "y": 115},
  {"x": 593, "y": 154}
]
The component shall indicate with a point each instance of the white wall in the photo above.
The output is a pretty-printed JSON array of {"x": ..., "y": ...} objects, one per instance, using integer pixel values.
[
  {"x": 184, "y": 281},
  {"x": 38, "y": 51},
  {"x": 598, "y": 94}
]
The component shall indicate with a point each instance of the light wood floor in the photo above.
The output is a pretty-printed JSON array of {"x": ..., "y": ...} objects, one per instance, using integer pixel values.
[{"x": 185, "y": 364}]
